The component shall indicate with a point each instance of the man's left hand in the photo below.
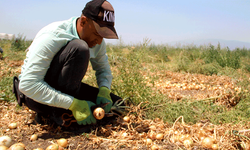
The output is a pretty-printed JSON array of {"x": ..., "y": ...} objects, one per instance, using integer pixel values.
[{"x": 104, "y": 97}]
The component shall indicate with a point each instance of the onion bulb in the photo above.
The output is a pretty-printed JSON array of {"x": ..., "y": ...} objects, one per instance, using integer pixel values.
[
  {"x": 201, "y": 132},
  {"x": 143, "y": 135},
  {"x": 215, "y": 147},
  {"x": 207, "y": 142},
  {"x": 33, "y": 137},
  {"x": 62, "y": 142},
  {"x": 54, "y": 147},
  {"x": 148, "y": 141},
  {"x": 13, "y": 125},
  {"x": 17, "y": 146},
  {"x": 188, "y": 142},
  {"x": 157, "y": 120},
  {"x": 152, "y": 127},
  {"x": 159, "y": 136},
  {"x": 126, "y": 119},
  {"x": 160, "y": 126},
  {"x": 3, "y": 148},
  {"x": 99, "y": 113},
  {"x": 151, "y": 135},
  {"x": 38, "y": 149},
  {"x": 5, "y": 141},
  {"x": 124, "y": 134},
  {"x": 154, "y": 147}
]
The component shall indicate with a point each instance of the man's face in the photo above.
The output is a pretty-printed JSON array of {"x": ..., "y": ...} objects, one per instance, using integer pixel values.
[{"x": 90, "y": 34}]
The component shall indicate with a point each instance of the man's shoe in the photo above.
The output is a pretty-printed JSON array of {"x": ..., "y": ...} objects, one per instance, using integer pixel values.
[
  {"x": 41, "y": 118},
  {"x": 15, "y": 89}
]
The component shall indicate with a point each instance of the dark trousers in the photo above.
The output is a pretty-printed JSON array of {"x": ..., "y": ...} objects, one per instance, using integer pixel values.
[{"x": 66, "y": 71}]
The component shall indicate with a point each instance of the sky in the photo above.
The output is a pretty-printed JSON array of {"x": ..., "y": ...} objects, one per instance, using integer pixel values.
[{"x": 160, "y": 21}]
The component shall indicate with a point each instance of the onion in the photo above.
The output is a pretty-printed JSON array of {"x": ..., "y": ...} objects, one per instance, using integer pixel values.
[
  {"x": 201, "y": 132},
  {"x": 182, "y": 138},
  {"x": 215, "y": 147},
  {"x": 3, "y": 148},
  {"x": 151, "y": 135},
  {"x": 154, "y": 147},
  {"x": 5, "y": 141},
  {"x": 175, "y": 138},
  {"x": 99, "y": 113},
  {"x": 33, "y": 137},
  {"x": 207, "y": 142},
  {"x": 157, "y": 120},
  {"x": 13, "y": 126},
  {"x": 188, "y": 142},
  {"x": 152, "y": 127},
  {"x": 159, "y": 136},
  {"x": 161, "y": 126},
  {"x": 126, "y": 119},
  {"x": 148, "y": 141},
  {"x": 54, "y": 147},
  {"x": 143, "y": 135},
  {"x": 62, "y": 142},
  {"x": 38, "y": 149},
  {"x": 17, "y": 146},
  {"x": 124, "y": 134}
]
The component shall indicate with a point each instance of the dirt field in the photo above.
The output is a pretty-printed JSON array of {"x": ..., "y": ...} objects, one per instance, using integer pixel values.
[{"x": 138, "y": 133}]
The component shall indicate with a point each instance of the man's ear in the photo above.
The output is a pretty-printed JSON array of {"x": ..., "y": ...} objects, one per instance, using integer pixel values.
[{"x": 84, "y": 19}]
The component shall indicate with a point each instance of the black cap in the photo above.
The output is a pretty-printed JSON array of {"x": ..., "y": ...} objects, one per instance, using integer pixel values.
[{"x": 103, "y": 16}]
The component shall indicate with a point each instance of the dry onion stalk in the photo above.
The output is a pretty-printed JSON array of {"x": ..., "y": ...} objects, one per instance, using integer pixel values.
[{"x": 117, "y": 107}]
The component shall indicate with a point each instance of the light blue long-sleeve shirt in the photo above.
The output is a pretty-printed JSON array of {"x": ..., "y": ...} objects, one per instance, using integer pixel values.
[{"x": 48, "y": 41}]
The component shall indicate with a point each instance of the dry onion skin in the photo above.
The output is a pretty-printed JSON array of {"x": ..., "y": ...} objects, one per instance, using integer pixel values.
[
  {"x": 99, "y": 113},
  {"x": 5, "y": 141}
]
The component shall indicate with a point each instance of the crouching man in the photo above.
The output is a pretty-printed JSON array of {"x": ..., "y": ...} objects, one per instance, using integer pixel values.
[{"x": 57, "y": 60}]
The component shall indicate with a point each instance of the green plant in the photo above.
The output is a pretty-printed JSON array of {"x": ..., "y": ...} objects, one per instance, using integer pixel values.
[
  {"x": 20, "y": 43},
  {"x": 136, "y": 67},
  {"x": 224, "y": 57}
]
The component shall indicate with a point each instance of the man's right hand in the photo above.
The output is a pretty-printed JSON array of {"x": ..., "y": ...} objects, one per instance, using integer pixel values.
[{"x": 81, "y": 110}]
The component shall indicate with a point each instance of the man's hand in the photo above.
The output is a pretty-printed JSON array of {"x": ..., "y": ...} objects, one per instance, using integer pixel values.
[
  {"x": 81, "y": 110},
  {"x": 104, "y": 97}
]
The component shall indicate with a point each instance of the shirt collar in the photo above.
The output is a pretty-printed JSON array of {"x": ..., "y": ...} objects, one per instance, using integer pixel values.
[{"x": 74, "y": 28}]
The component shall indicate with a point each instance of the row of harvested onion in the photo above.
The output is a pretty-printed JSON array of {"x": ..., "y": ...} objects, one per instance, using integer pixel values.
[
  {"x": 5, "y": 144},
  {"x": 156, "y": 131}
]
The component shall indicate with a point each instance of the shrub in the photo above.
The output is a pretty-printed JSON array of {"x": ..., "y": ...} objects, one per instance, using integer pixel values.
[{"x": 20, "y": 43}]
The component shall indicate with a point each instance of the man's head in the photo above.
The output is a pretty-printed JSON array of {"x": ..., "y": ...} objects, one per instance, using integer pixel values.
[
  {"x": 97, "y": 22},
  {"x": 102, "y": 13}
]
